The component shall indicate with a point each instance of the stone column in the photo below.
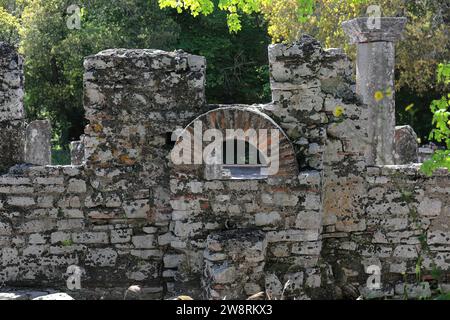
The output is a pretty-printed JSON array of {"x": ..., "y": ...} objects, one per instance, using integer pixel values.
[
  {"x": 12, "y": 115},
  {"x": 375, "y": 68}
]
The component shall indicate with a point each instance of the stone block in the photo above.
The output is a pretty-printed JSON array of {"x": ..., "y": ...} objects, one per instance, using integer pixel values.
[
  {"x": 430, "y": 207},
  {"x": 121, "y": 235},
  {"x": 144, "y": 242},
  {"x": 90, "y": 238},
  {"x": 101, "y": 257},
  {"x": 267, "y": 219},
  {"x": 405, "y": 145}
]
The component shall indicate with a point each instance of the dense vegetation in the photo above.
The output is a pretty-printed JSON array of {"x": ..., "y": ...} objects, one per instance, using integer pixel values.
[{"x": 234, "y": 39}]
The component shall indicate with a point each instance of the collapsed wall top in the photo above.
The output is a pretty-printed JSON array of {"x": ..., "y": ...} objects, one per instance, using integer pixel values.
[
  {"x": 12, "y": 114},
  {"x": 11, "y": 84},
  {"x": 162, "y": 80}
]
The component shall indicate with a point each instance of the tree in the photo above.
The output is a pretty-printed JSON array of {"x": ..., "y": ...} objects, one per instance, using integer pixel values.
[
  {"x": 237, "y": 68},
  {"x": 9, "y": 22}
]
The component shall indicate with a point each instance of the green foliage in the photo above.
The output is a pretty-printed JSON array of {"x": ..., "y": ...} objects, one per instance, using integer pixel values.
[
  {"x": 443, "y": 296},
  {"x": 67, "y": 243},
  {"x": 441, "y": 122},
  {"x": 236, "y": 8},
  {"x": 440, "y": 159},
  {"x": 9, "y": 24},
  {"x": 237, "y": 69},
  {"x": 61, "y": 156},
  {"x": 441, "y": 112},
  {"x": 206, "y": 7},
  {"x": 443, "y": 73}
]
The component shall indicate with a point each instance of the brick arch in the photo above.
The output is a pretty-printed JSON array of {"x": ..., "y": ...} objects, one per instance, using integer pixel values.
[{"x": 240, "y": 117}]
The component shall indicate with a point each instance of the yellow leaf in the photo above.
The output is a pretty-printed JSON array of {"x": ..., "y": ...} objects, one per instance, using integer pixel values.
[
  {"x": 338, "y": 112},
  {"x": 378, "y": 96}
]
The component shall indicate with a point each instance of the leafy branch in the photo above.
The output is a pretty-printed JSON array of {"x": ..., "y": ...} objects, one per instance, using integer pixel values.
[
  {"x": 441, "y": 122},
  {"x": 234, "y": 8}
]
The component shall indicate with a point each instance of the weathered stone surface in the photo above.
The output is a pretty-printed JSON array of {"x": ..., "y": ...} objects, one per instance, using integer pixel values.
[
  {"x": 267, "y": 219},
  {"x": 90, "y": 237},
  {"x": 5, "y": 229},
  {"x": 406, "y": 252},
  {"x": 308, "y": 220},
  {"x": 76, "y": 186},
  {"x": 273, "y": 286},
  {"x": 430, "y": 207},
  {"x": 137, "y": 209},
  {"x": 121, "y": 235},
  {"x": 12, "y": 114},
  {"x": 172, "y": 260},
  {"x": 101, "y": 257},
  {"x": 144, "y": 242},
  {"x": 293, "y": 235},
  {"x": 414, "y": 291},
  {"x": 406, "y": 146},
  {"x": 439, "y": 237},
  {"x": 241, "y": 255},
  {"x": 77, "y": 152},
  {"x": 362, "y": 30}
]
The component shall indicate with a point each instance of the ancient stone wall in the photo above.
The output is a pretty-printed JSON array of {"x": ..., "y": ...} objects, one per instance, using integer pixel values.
[
  {"x": 111, "y": 215},
  {"x": 403, "y": 229},
  {"x": 127, "y": 215}
]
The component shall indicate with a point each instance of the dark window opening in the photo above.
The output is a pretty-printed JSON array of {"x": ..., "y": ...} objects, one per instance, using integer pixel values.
[
  {"x": 242, "y": 159},
  {"x": 243, "y": 165}
]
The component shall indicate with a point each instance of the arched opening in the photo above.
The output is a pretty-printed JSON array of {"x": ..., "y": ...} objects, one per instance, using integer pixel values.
[{"x": 250, "y": 145}]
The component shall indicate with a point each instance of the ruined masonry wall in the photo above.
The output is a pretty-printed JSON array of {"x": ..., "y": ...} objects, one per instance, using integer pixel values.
[
  {"x": 404, "y": 224},
  {"x": 111, "y": 215},
  {"x": 128, "y": 216}
]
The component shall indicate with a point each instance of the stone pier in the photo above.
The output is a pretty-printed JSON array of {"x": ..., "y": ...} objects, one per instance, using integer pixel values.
[
  {"x": 375, "y": 68},
  {"x": 12, "y": 115}
]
